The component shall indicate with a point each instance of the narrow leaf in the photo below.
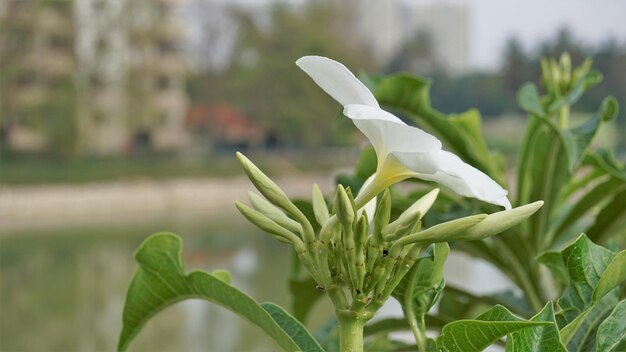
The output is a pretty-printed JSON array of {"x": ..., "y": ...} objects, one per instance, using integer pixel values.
[{"x": 293, "y": 328}]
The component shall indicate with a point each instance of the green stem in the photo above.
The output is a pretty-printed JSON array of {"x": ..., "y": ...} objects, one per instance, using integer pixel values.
[
  {"x": 419, "y": 330},
  {"x": 350, "y": 331},
  {"x": 564, "y": 116}
]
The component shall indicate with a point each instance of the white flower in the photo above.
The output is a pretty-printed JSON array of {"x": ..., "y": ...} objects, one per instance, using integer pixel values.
[{"x": 402, "y": 151}]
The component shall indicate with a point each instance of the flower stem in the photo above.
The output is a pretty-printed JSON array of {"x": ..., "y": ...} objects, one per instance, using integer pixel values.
[
  {"x": 418, "y": 329},
  {"x": 350, "y": 332}
]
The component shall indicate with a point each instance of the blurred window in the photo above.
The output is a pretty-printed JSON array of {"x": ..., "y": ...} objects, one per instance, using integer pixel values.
[
  {"x": 163, "y": 83},
  {"x": 26, "y": 78},
  {"x": 61, "y": 42},
  {"x": 165, "y": 46}
]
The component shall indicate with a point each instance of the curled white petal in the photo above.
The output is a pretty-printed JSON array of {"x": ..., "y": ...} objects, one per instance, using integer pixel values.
[
  {"x": 336, "y": 80},
  {"x": 387, "y": 133},
  {"x": 449, "y": 170}
]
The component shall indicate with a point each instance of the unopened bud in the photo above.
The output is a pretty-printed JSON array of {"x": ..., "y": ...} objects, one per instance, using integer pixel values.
[
  {"x": 266, "y": 224},
  {"x": 416, "y": 211},
  {"x": 500, "y": 221},
  {"x": 448, "y": 231},
  {"x": 344, "y": 207},
  {"x": 381, "y": 217},
  {"x": 320, "y": 208}
]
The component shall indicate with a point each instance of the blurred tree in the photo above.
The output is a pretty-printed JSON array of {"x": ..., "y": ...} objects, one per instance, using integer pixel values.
[
  {"x": 265, "y": 84},
  {"x": 417, "y": 55},
  {"x": 516, "y": 65}
]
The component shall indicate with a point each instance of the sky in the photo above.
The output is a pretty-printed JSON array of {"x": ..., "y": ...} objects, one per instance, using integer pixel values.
[{"x": 493, "y": 21}]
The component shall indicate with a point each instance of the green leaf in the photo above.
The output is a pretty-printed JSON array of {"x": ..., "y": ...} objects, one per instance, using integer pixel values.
[
  {"x": 583, "y": 306},
  {"x": 528, "y": 99},
  {"x": 292, "y": 327},
  {"x": 460, "y": 133},
  {"x": 601, "y": 192},
  {"x": 585, "y": 261},
  {"x": 160, "y": 282},
  {"x": 542, "y": 172},
  {"x": 477, "y": 334},
  {"x": 613, "y": 275},
  {"x": 577, "y": 140},
  {"x": 554, "y": 261},
  {"x": 538, "y": 338},
  {"x": 421, "y": 286},
  {"x": 582, "y": 336},
  {"x": 604, "y": 160},
  {"x": 611, "y": 220},
  {"x": 612, "y": 331}
]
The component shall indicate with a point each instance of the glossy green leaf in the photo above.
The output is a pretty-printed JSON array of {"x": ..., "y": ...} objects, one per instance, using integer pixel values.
[
  {"x": 582, "y": 305},
  {"x": 612, "y": 276},
  {"x": 292, "y": 327},
  {"x": 477, "y": 334},
  {"x": 461, "y": 134},
  {"x": 161, "y": 281},
  {"x": 582, "y": 336},
  {"x": 554, "y": 261},
  {"x": 612, "y": 331},
  {"x": 539, "y": 338},
  {"x": 585, "y": 262}
]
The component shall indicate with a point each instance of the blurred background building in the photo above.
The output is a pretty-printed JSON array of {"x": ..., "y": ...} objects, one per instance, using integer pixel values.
[{"x": 93, "y": 77}]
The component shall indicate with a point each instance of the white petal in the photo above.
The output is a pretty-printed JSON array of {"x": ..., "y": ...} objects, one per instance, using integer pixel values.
[
  {"x": 388, "y": 133},
  {"x": 370, "y": 207},
  {"x": 336, "y": 80},
  {"x": 449, "y": 170}
]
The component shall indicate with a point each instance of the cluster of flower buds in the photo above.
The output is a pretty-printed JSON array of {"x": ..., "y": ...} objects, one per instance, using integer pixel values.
[
  {"x": 355, "y": 254},
  {"x": 559, "y": 78}
]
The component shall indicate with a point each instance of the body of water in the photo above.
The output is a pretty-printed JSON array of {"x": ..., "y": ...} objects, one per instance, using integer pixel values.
[{"x": 64, "y": 290}]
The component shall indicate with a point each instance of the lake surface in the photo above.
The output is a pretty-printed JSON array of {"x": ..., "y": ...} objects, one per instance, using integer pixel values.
[{"x": 64, "y": 290}]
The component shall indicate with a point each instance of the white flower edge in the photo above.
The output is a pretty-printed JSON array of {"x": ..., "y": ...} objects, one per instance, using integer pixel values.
[{"x": 402, "y": 151}]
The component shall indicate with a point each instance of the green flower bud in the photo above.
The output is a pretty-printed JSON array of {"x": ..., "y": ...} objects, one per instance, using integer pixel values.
[
  {"x": 360, "y": 235},
  {"x": 275, "y": 195},
  {"x": 320, "y": 208},
  {"x": 344, "y": 207},
  {"x": 267, "y": 225},
  {"x": 415, "y": 211},
  {"x": 500, "y": 221},
  {"x": 381, "y": 218},
  {"x": 272, "y": 212},
  {"x": 445, "y": 232}
]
